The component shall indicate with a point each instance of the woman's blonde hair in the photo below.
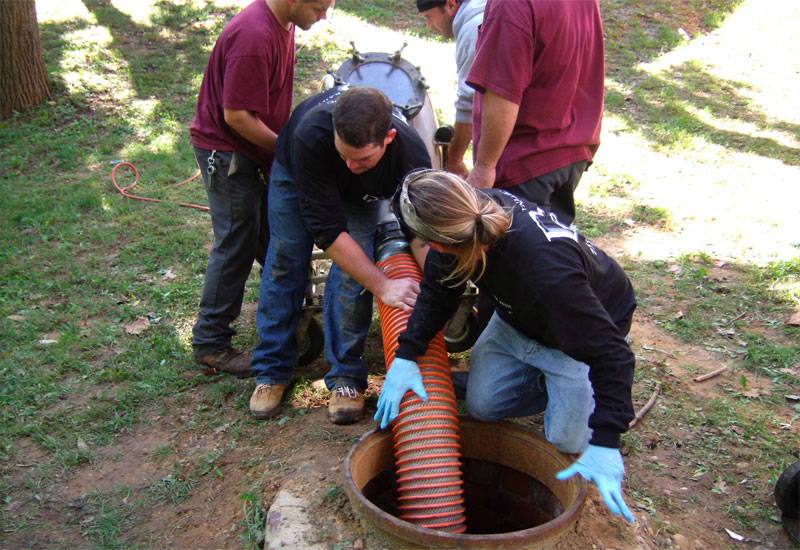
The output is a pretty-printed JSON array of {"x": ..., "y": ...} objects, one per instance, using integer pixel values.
[{"x": 465, "y": 217}]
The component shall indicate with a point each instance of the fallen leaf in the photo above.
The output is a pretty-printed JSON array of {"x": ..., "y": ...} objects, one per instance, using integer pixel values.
[
  {"x": 169, "y": 275},
  {"x": 140, "y": 324},
  {"x": 794, "y": 321},
  {"x": 752, "y": 394},
  {"x": 16, "y": 318},
  {"x": 222, "y": 429},
  {"x": 733, "y": 535},
  {"x": 792, "y": 371}
]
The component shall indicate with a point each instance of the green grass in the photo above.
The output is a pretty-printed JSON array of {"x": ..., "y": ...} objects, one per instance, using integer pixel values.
[
  {"x": 173, "y": 488},
  {"x": 727, "y": 312},
  {"x": 388, "y": 14},
  {"x": 717, "y": 307},
  {"x": 106, "y": 518},
  {"x": 678, "y": 105},
  {"x": 651, "y": 215},
  {"x": 254, "y": 523}
]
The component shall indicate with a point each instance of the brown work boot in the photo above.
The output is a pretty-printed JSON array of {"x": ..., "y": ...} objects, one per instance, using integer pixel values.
[
  {"x": 228, "y": 360},
  {"x": 346, "y": 405},
  {"x": 266, "y": 400}
]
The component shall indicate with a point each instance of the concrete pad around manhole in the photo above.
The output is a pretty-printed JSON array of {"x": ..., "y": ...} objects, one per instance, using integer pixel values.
[{"x": 288, "y": 525}]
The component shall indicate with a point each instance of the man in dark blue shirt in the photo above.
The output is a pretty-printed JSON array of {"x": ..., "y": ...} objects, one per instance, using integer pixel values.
[{"x": 341, "y": 153}]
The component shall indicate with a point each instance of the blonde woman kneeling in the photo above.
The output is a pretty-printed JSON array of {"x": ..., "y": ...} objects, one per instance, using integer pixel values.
[{"x": 556, "y": 342}]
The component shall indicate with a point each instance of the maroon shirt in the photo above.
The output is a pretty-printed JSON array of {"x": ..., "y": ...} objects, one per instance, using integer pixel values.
[
  {"x": 251, "y": 67},
  {"x": 547, "y": 57}
]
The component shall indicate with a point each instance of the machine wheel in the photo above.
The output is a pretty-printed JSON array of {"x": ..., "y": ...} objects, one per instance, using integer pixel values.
[
  {"x": 310, "y": 346},
  {"x": 464, "y": 340},
  {"x": 787, "y": 491}
]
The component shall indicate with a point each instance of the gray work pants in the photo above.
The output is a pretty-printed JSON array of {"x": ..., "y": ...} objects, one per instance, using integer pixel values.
[
  {"x": 237, "y": 197},
  {"x": 554, "y": 191}
]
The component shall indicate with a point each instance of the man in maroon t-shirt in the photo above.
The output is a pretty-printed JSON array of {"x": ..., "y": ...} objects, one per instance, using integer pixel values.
[
  {"x": 539, "y": 74},
  {"x": 244, "y": 101}
]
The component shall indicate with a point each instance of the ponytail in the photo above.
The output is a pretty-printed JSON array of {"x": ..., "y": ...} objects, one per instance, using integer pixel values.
[{"x": 467, "y": 218}]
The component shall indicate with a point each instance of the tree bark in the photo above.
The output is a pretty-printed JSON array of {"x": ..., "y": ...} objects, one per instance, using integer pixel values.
[{"x": 23, "y": 78}]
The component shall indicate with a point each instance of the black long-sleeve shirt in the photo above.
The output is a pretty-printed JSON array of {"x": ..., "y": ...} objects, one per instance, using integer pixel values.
[
  {"x": 554, "y": 286},
  {"x": 306, "y": 149}
]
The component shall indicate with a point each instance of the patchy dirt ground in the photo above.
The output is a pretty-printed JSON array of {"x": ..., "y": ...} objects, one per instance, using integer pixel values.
[{"x": 301, "y": 451}]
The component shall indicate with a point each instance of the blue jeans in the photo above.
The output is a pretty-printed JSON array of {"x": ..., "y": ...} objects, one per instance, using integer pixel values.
[
  {"x": 346, "y": 308},
  {"x": 511, "y": 375}
]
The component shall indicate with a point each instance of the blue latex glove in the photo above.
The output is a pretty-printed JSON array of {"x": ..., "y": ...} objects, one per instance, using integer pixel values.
[
  {"x": 403, "y": 376},
  {"x": 603, "y": 467}
]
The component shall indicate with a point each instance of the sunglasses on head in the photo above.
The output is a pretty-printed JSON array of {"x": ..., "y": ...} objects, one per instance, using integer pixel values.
[{"x": 405, "y": 211}]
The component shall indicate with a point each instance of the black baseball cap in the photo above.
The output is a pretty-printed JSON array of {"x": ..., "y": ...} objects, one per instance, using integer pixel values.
[{"x": 425, "y": 5}]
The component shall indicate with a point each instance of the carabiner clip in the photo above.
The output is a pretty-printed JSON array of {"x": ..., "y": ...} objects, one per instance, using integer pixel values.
[{"x": 210, "y": 169}]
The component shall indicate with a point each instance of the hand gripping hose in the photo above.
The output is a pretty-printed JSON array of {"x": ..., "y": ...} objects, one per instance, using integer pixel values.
[{"x": 427, "y": 450}]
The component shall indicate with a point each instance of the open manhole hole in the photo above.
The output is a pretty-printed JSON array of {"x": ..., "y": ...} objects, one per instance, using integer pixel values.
[{"x": 511, "y": 495}]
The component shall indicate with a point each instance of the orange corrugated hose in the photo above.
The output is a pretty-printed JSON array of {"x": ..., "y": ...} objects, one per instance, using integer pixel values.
[{"x": 426, "y": 443}]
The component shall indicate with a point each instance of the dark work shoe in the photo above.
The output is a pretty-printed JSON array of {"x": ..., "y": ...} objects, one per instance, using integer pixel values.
[
  {"x": 228, "y": 361},
  {"x": 346, "y": 405}
]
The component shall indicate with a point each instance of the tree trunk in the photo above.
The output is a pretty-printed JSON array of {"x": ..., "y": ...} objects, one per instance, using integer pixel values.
[{"x": 23, "y": 79}]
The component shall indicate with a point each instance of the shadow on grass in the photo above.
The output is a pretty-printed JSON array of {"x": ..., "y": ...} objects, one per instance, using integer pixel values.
[
  {"x": 163, "y": 59},
  {"x": 139, "y": 88},
  {"x": 638, "y": 32},
  {"x": 683, "y": 103},
  {"x": 395, "y": 15}
]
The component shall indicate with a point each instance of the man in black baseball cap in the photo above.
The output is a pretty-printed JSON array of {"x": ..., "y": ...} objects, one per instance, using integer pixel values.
[{"x": 457, "y": 19}]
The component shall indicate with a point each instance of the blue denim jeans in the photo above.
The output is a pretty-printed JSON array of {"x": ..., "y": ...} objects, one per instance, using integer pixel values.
[
  {"x": 347, "y": 306},
  {"x": 511, "y": 375}
]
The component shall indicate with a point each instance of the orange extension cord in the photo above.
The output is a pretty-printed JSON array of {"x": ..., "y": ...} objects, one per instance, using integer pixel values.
[
  {"x": 124, "y": 190},
  {"x": 426, "y": 442}
]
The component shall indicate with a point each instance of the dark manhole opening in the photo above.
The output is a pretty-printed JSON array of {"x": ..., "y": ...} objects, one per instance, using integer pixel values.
[{"x": 498, "y": 499}]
